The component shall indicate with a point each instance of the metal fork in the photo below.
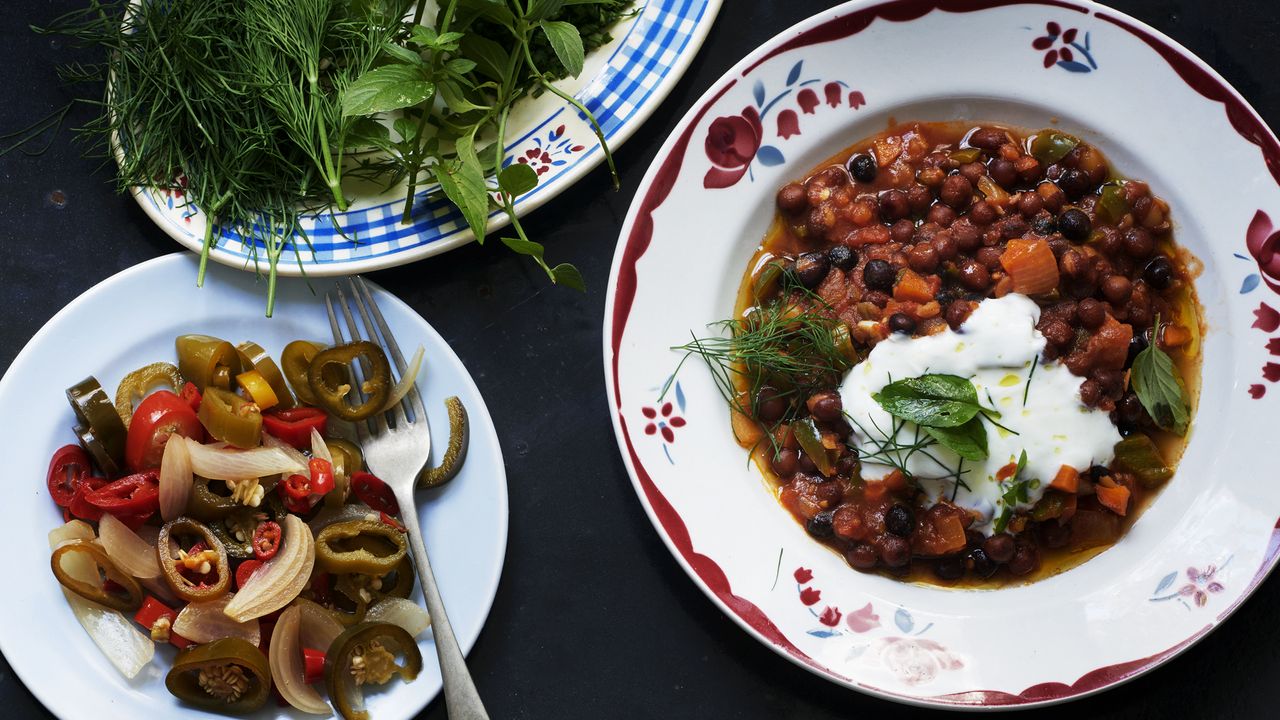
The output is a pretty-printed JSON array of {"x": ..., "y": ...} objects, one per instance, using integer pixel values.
[{"x": 396, "y": 452}]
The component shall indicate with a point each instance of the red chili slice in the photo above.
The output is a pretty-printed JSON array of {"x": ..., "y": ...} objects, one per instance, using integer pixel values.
[
  {"x": 321, "y": 476},
  {"x": 297, "y": 487},
  {"x": 245, "y": 570},
  {"x": 374, "y": 493},
  {"x": 132, "y": 495},
  {"x": 266, "y": 540},
  {"x": 313, "y": 665},
  {"x": 294, "y": 425},
  {"x": 80, "y": 505},
  {"x": 295, "y": 505},
  {"x": 67, "y": 470},
  {"x": 191, "y": 394}
]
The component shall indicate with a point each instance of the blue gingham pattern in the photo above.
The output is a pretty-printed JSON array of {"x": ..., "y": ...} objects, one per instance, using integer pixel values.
[{"x": 660, "y": 34}]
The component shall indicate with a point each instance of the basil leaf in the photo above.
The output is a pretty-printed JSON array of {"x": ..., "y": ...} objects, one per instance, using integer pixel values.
[
  {"x": 545, "y": 9},
  {"x": 1159, "y": 387},
  {"x": 386, "y": 88},
  {"x": 931, "y": 400},
  {"x": 567, "y": 44},
  {"x": 517, "y": 179},
  {"x": 490, "y": 57},
  {"x": 465, "y": 186},
  {"x": 524, "y": 247},
  {"x": 969, "y": 440}
]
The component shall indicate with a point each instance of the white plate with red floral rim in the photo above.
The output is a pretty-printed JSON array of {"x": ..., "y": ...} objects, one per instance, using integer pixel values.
[
  {"x": 1189, "y": 560},
  {"x": 118, "y": 325}
]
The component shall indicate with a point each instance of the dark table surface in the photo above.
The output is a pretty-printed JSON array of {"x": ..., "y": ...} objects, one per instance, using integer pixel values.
[{"x": 593, "y": 618}]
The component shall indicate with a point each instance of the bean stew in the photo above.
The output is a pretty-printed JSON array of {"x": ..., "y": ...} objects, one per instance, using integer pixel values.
[{"x": 905, "y": 234}]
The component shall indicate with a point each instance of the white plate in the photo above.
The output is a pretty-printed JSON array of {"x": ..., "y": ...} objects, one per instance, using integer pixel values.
[
  {"x": 130, "y": 320},
  {"x": 1161, "y": 115},
  {"x": 622, "y": 83}
]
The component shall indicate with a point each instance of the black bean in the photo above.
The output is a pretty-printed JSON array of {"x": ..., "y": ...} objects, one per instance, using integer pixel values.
[
  {"x": 1043, "y": 224},
  {"x": 842, "y": 256},
  {"x": 999, "y": 547},
  {"x": 1075, "y": 183},
  {"x": 811, "y": 268},
  {"x": 1138, "y": 243},
  {"x": 1159, "y": 273},
  {"x": 894, "y": 551},
  {"x": 826, "y": 406},
  {"x": 1074, "y": 225},
  {"x": 981, "y": 563},
  {"x": 949, "y": 568},
  {"x": 863, "y": 168},
  {"x": 1137, "y": 344},
  {"x": 899, "y": 520},
  {"x": 957, "y": 190},
  {"x": 901, "y": 323},
  {"x": 819, "y": 525},
  {"x": 1097, "y": 472},
  {"x": 879, "y": 275},
  {"x": 770, "y": 404},
  {"x": 862, "y": 556}
]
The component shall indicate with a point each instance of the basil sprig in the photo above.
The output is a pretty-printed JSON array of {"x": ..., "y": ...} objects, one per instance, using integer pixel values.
[
  {"x": 944, "y": 406},
  {"x": 1159, "y": 387}
]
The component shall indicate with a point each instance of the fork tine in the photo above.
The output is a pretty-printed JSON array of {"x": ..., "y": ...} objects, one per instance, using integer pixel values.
[
  {"x": 391, "y": 345},
  {"x": 380, "y": 419},
  {"x": 362, "y": 430},
  {"x": 400, "y": 414}
]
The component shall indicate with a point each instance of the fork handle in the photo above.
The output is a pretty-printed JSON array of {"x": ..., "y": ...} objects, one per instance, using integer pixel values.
[{"x": 460, "y": 696}]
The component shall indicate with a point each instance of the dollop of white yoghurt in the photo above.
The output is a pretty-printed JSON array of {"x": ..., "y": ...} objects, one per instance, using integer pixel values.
[{"x": 998, "y": 349}]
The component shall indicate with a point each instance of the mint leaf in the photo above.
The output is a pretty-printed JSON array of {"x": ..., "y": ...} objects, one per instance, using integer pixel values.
[
  {"x": 568, "y": 276},
  {"x": 465, "y": 187},
  {"x": 969, "y": 440},
  {"x": 567, "y": 44},
  {"x": 386, "y": 88},
  {"x": 524, "y": 247},
  {"x": 1159, "y": 387},
  {"x": 935, "y": 400}
]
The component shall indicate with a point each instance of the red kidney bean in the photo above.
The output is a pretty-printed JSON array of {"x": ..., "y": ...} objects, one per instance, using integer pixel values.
[{"x": 957, "y": 190}]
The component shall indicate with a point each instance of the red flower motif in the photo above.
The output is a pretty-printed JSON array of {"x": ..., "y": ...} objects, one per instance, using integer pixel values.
[
  {"x": 1271, "y": 372},
  {"x": 732, "y": 142},
  {"x": 1052, "y": 34},
  {"x": 1050, "y": 58},
  {"x": 1267, "y": 318},
  {"x": 1065, "y": 54},
  {"x": 1263, "y": 242},
  {"x": 663, "y": 424},
  {"x": 856, "y": 100},
  {"x": 807, "y": 99},
  {"x": 1069, "y": 36},
  {"x": 830, "y": 617},
  {"x": 809, "y": 596},
  {"x": 863, "y": 620},
  {"x": 788, "y": 124},
  {"x": 1273, "y": 346},
  {"x": 536, "y": 158},
  {"x": 803, "y": 575},
  {"x": 1257, "y": 391},
  {"x": 833, "y": 92}
]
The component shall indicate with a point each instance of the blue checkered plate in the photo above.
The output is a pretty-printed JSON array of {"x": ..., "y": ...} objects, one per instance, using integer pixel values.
[{"x": 622, "y": 84}]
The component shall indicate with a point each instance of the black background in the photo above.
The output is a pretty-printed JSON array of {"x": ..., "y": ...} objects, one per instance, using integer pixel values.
[{"x": 593, "y": 618}]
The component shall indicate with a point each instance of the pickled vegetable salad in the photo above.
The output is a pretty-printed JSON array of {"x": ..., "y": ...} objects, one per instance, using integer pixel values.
[{"x": 215, "y": 505}]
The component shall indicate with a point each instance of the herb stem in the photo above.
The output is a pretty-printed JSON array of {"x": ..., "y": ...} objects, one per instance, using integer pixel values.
[{"x": 595, "y": 124}]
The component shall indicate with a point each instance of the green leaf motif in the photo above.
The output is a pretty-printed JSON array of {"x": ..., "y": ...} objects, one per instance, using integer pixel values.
[
  {"x": 517, "y": 179},
  {"x": 387, "y": 88},
  {"x": 935, "y": 400},
  {"x": 567, "y": 44},
  {"x": 1160, "y": 389}
]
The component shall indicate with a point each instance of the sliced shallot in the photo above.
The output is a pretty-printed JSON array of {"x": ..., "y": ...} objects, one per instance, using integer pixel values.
[
  {"x": 279, "y": 581},
  {"x": 407, "y": 379},
  {"x": 227, "y": 464},
  {"x": 130, "y": 552},
  {"x": 402, "y": 612},
  {"x": 206, "y": 621},
  {"x": 287, "y": 670},
  {"x": 175, "y": 478}
]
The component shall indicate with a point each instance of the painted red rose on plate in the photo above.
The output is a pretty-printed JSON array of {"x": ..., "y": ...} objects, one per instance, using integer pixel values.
[{"x": 732, "y": 142}]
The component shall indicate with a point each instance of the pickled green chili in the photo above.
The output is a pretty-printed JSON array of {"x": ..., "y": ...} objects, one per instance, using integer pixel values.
[
  {"x": 231, "y": 418},
  {"x": 366, "y": 655},
  {"x": 253, "y": 357},
  {"x": 1139, "y": 455},
  {"x": 201, "y": 572},
  {"x": 295, "y": 361},
  {"x": 459, "y": 437},
  {"x": 811, "y": 442},
  {"x": 207, "y": 361},
  {"x": 228, "y": 675},
  {"x": 101, "y": 431},
  {"x": 138, "y": 383},
  {"x": 1112, "y": 203},
  {"x": 333, "y": 370},
  {"x": 1051, "y": 146},
  {"x": 128, "y": 599},
  {"x": 206, "y": 505},
  {"x": 367, "y": 547}
]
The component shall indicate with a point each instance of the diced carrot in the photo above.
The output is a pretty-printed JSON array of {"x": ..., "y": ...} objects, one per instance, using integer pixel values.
[
  {"x": 895, "y": 481},
  {"x": 1007, "y": 471},
  {"x": 1172, "y": 336},
  {"x": 1032, "y": 266},
  {"x": 950, "y": 534},
  {"x": 887, "y": 149},
  {"x": 1067, "y": 480},
  {"x": 874, "y": 491},
  {"x": 912, "y": 288},
  {"x": 1115, "y": 498}
]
